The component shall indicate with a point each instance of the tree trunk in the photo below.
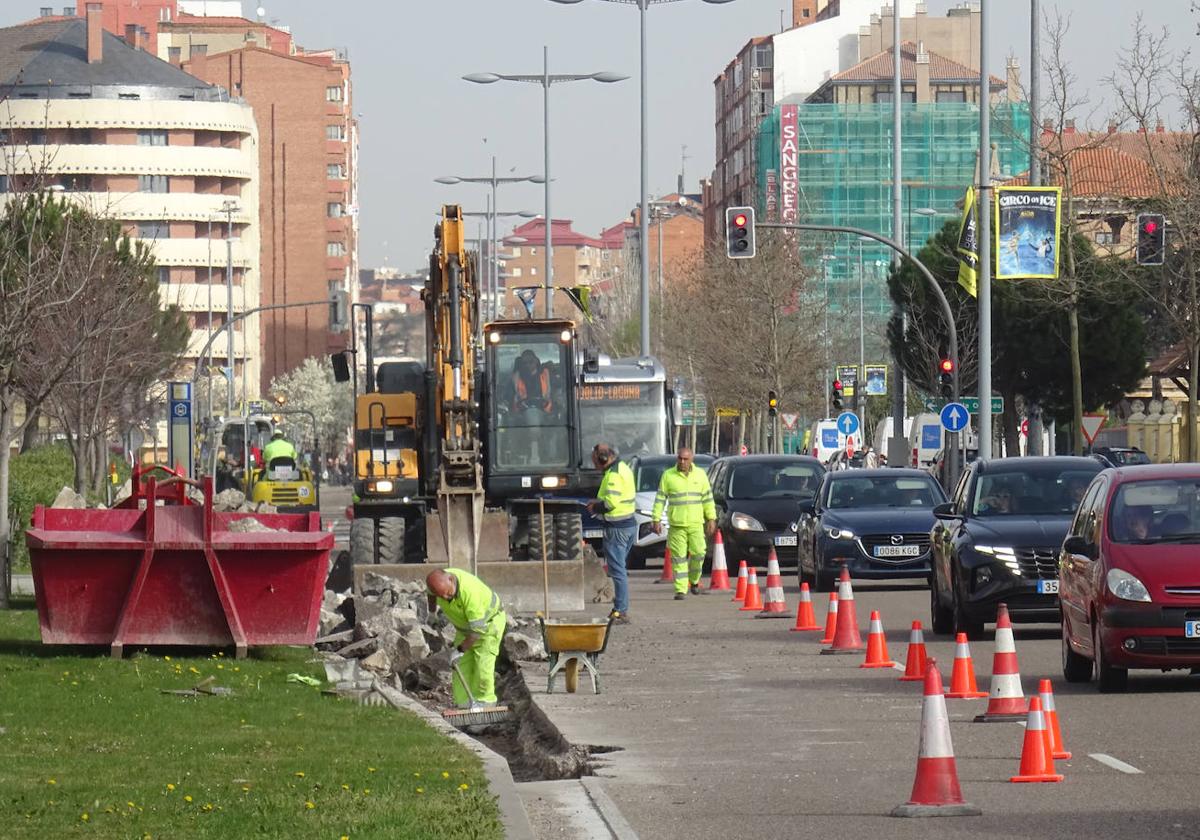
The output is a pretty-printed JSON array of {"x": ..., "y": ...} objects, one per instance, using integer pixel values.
[
  {"x": 1008, "y": 422},
  {"x": 5, "y": 458},
  {"x": 29, "y": 439},
  {"x": 1076, "y": 379},
  {"x": 1193, "y": 439}
]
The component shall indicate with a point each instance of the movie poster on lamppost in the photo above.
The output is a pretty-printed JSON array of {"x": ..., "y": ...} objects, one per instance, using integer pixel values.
[{"x": 1027, "y": 225}]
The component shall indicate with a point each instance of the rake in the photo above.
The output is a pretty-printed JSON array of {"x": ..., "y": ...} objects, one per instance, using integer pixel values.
[{"x": 460, "y": 718}]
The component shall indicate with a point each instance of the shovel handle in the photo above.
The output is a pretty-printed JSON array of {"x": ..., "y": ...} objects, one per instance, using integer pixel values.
[{"x": 466, "y": 687}]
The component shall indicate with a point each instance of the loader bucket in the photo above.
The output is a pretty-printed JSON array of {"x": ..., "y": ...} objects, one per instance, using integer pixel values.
[{"x": 177, "y": 575}]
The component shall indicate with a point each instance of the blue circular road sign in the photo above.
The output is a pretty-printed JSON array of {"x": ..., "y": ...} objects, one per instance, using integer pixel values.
[
  {"x": 955, "y": 417},
  {"x": 847, "y": 422}
]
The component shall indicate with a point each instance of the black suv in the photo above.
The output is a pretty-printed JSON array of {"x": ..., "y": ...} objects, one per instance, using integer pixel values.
[{"x": 997, "y": 540}]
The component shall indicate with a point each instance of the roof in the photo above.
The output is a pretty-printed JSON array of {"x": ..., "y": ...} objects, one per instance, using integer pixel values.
[
  {"x": 561, "y": 234},
  {"x": 1143, "y": 472},
  {"x": 54, "y": 54},
  {"x": 1037, "y": 462},
  {"x": 878, "y": 68},
  {"x": 1113, "y": 165},
  {"x": 782, "y": 458}
]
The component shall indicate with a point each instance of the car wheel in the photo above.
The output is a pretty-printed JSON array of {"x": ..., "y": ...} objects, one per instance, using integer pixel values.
[
  {"x": 964, "y": 623},
  {"x": 1076, "y": 668},
  {"x": 941, "y": 618},
  {"x": 1111, "y": 679}
]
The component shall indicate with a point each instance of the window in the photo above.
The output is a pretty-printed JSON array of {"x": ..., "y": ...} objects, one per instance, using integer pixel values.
[
  {"x": 47, "y": 11},
  {"x": 533, "y": 272},
  {"x": 81, "y": 182},
  {"x": 950, "y": 96},
  {"x": 199, "y": 49},
  {"x": 335, "y": 132},
  {"x": 334, "y": 210},
  {"x": 333, "y": 93},
  {"x": 152, "y": 184},
  {"x": 533, "y": 252},
  {"x": 1105, "y": 237},
  {"x": 164, "y": 274},
  {"x": 335, "y": 249},
  {"x": 514, "y": 272},
  {"x": 152, "y": 137},
  {"x": 79, "y": 136},
  {"x": 335, "y": 170},
  {"x": 905, "y": 95},
  {"x": 174, "y": 54},
  {"x": 37, "y": 137},
  {"x": 153, "y": 230},
  {"x": 3, "y": 183}
]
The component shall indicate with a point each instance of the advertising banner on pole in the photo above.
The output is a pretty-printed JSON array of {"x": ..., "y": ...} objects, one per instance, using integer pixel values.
[
  {"x": 789, "y": 164},
  {"x": 968, "y": 245},
  {"x": 876, "y": 380},
  {"x": 848, "y": 376},
  {"x": 1027, "y": 221}
]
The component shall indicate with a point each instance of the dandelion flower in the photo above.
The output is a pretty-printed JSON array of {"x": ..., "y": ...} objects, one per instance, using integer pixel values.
[
  {"x": 51, "y": 781},
  {"x": 372, "y": 770},
  {"x": 193, "y": 669},
  {"x": 310, "y": 805},
  {"x": 170, "y": 786},
  {"x": 420, "y": 790},
  {"x": 187, "y": 798},
  {"x": 84, "y": 817},
  {"x": 366, "y": 791},
  {"x": 445, "y": 775},
  {"x": 299, "y": 774},
  {"x": 236, "y": 668},
  {"x": 220, "y": 667},
  {"x": 207, "y": 806},
  {"x": 166, "y": 659},
  {"x": 245, "y": 788},
  {"x": 130, "y": 804},
  {"x": 417, "y": 775},
  {"x": 345, "y": 787},
  {"x": 463, "y": 786}
]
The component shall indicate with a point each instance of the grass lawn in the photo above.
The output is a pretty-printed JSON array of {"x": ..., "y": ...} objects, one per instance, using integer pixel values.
[{"x": 89, "y": 747}]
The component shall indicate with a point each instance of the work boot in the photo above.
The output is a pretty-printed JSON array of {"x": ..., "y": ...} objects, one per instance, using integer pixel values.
[
  {"x": 679, "y": 596},
  {"x": 619, "y": 617},
  {"x": 696, "y": 590}
]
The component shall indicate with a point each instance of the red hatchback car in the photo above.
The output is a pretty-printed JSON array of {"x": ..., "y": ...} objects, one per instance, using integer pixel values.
[{"x": 1129, "y": 575}]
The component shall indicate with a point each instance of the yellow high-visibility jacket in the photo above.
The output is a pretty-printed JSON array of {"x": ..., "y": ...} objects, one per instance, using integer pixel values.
[
  {"x": 618, "y": 494},
  {"x": 473, "y": 607},
  {"x": 688, "y": 498}
]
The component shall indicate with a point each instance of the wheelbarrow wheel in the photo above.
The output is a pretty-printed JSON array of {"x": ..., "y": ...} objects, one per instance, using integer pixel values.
[{"x": 571, "y": 674}]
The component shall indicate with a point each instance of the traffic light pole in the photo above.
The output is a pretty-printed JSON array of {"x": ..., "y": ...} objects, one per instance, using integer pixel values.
[{"x": 943, "y": 303}]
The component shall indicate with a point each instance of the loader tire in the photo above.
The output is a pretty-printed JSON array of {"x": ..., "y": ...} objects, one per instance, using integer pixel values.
[
  {"x": 362, "y": 542},
  {"x": 391, "y": 539},
  {"x": 539, "y": 538},
  {"x": 568, "y": 537}
]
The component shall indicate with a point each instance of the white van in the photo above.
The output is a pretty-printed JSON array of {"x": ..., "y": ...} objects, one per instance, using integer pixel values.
[
  {"x": 825, "y": 440},
  {"x": 883, "y": 432},
  {"x": 924, "y": 438}
]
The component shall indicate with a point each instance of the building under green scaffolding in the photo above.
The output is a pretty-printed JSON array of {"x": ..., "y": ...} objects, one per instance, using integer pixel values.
[{"x": 845, "y": 178}]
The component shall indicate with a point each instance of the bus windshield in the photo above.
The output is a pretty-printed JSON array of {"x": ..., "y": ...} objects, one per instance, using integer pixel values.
[
  {"x": 530, "y": 408},
  {"x": 632, "y": 416}
]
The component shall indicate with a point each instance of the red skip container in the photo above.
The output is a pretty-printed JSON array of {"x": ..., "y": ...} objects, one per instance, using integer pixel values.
[{"x": 150, "y": 573}]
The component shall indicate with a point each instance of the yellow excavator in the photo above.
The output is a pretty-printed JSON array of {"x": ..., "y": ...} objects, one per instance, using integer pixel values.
[{"x": 491, "y": 416}]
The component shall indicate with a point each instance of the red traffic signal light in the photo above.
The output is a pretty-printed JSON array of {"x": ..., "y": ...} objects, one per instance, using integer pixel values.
[
  {"x": 740, "y": 220},
  {"x": 1151, "y": 239},
  {"x": 739, "y": 232},
  {"x": 1150, "y": 226},
  {"x": 837, "y": 384},
  {"x": 946, "y": 366}
]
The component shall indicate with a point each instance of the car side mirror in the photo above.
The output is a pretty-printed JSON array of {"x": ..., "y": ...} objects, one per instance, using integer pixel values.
[
  {"x": 945, "y": 511},
  {"x": 1080, "y": 546}
]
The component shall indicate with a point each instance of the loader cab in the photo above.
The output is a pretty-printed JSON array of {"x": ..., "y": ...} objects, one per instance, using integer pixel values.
[{"x": 531, "y": 442}]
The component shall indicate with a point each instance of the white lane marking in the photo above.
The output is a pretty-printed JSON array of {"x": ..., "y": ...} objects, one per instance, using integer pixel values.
[
  {"x": 1115, "y": 763},
  {"x": 897, "y": 666}
]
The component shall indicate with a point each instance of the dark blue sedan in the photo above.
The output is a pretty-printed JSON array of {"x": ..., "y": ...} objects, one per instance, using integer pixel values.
[{"x": 876, "y": 523}]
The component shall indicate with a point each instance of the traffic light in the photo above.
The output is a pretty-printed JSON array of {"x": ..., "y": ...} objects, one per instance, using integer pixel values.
[
  {"x": 772, "y": 403},
  {"x": 739, "y": 233},
  {"x": 946, "y": 376},
  {"x": 1151, "y": 238},
  {"x": 837, "y": 394}
]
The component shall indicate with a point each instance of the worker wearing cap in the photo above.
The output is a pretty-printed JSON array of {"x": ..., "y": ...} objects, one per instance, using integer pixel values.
[
  {"x": 477, "y": 615},
  {"x": 615, "y": 502},
  {"x": 691, "y": 516},
  {"x": 278, "y": 448}
]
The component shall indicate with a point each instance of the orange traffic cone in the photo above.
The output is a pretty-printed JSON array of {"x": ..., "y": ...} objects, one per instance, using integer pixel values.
[
  {"x": 877, "y": 653},
  {"x": 805, "y": 618},
  {"x": 719, "y": 577},
  {"x": 1006, "y": 700},
  {"x": 1046, "y": 694},
  {"x": 935, "y": 790},
  {"x": 774, "y": 605},
  {"x": 830, "y": 619},
  {"x": 914, "y": 663},
  {"x": 1036, "y": 763},
  {"x": 668, "y": 571},
  {"x": 962, "y": 681},
  {"x": 846, "y": 638},
  {"x": 753, "y": 594},
  {"x": 742, "y": 579}
]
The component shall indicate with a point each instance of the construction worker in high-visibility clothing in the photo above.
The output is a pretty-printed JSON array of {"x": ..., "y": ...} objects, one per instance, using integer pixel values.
[
  {"x": 615, "y": 502},
  {"x": 691, "y": 516},
  {"x": 476, "y": 612}
]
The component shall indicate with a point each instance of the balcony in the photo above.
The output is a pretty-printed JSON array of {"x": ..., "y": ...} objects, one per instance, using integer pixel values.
[
  {"x": 193, "y": 297},
  {"x": 99, "y": 159},
  {"x": 195, "y": 252},
  {"x": 138, "y": 206}
]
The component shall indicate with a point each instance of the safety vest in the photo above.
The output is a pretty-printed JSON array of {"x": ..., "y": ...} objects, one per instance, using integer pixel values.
[
  {"x": 278, "y": 449},
  {"x": 523, "y": 389},
  {"x": 688, "y": 498},
  {"x": 618, "y": 493},
  {"x": 473, "y": 606}
]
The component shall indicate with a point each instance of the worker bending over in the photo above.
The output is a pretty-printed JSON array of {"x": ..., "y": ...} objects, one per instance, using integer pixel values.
[
  {"x": 691, "y": 516},
  {"x": 476, "y": 612}
]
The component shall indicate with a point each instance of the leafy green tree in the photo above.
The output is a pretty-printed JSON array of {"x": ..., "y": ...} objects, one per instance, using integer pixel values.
[{"x": 311, "y": 387}]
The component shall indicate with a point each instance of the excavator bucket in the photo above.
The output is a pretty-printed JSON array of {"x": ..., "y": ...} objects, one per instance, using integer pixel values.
[{"x": 460, "y": 511}]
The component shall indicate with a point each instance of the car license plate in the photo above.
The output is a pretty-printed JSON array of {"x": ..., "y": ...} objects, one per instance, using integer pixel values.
[
  {"x": 1047, "y": 587},
  {"x": 897, "y": 551},
  {"x": 593, "y": 534},
  {"x": 788, "y": 539},
  {"x": 1191, "y": 629}
]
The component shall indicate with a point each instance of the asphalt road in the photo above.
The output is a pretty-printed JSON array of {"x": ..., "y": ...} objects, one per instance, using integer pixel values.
[{"x": 730, "y": 726}]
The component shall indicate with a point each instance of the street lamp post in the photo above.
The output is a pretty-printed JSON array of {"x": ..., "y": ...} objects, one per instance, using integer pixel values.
[
  {"x": 491, "y": 287},
  {"x": 494, "y": 182},
  {"x": 545, "y": 79},
  {"x": 826, "y": 260},
  {"x": 643, "y": 201},
  {"x": 229, "y": 207}
]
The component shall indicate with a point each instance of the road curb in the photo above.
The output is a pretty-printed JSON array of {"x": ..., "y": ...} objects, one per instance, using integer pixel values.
[
  {"x": 500, "y": 780},
  {"x": 608, "y": 809}
]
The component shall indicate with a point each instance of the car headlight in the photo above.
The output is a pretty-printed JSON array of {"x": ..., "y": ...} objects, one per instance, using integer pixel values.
[
  {"x": 382, "y": 486},
  {"x": 1126, "y": 587},
  {"x": 1005, "y": 553},
  {"x": 795, "y": 526},
  {"x": 745, "y": 522},
  {"x": 839, "y": 533}
]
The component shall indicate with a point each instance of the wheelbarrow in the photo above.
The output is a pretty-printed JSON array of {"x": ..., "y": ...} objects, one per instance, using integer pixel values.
[
  {"x": 571, "y": 646},
  {"x": 160, "y": 570}
]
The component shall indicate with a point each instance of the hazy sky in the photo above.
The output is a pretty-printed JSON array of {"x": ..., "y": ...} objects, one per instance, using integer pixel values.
[{"x": 419, "y": 120}]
